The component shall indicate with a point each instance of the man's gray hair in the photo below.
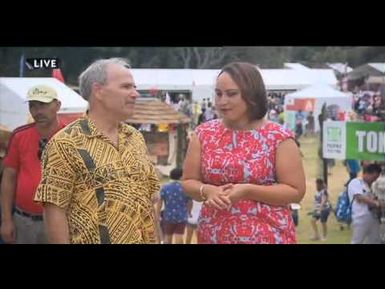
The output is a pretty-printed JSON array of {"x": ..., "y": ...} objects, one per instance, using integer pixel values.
[{"x": 97, "y": 72}]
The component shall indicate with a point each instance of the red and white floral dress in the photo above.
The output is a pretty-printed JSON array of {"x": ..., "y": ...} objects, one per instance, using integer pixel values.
[{"x": 230, "y": 156}]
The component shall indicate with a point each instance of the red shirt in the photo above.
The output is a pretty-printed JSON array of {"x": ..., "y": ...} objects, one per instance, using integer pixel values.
[{"x": 22, "y": 155}]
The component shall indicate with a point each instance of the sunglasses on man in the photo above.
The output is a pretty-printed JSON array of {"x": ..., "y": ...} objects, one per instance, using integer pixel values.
[{"x": 42, "y": 143}]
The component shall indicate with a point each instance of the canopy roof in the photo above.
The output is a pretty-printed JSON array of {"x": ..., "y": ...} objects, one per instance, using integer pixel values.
[
  {"x": 317, "y": 91},
  {"x": 154, "y": 111},
  {"x": 275, "y": 79},
  {"x": 366, "y": 70}
]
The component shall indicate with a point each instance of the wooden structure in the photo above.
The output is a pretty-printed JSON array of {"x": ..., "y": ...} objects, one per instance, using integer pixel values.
[
  {"x": 154, "y": 111},
  {"x": 155, "y": 114}
]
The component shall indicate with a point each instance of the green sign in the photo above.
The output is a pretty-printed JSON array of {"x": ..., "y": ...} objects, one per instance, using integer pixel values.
[
  {"x": 354, "y": 140},
  {"x": 365, "y": 141}
]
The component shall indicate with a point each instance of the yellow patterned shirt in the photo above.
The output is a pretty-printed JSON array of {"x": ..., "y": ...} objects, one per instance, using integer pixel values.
[{"x": 106, "y": 191}]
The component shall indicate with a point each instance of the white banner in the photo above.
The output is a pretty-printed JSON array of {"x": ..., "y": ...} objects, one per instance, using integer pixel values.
[{"x": 334, "y": 140}]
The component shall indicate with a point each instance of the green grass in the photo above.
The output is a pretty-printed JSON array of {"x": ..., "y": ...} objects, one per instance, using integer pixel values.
[{"x": 312, "y": 165}]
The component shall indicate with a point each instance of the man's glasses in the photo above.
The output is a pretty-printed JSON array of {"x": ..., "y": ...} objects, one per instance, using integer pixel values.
[{"x": 42, "y": 143}]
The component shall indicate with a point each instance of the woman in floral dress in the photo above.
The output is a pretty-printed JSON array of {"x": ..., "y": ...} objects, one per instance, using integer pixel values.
[{"x": 247, "y": 170}]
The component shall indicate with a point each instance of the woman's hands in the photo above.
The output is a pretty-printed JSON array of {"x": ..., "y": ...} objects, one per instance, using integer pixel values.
[
  {"x": 236, "y": 192},
  {"x": 217, "y": 197},
  {"x": 222, "y": 197}
]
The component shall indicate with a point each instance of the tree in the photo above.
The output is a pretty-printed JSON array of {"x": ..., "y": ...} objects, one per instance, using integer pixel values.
[
  {"x": 75, "y": 59},
  {"x": 330, "y": 54},
  {"x": 201, "y": 57}
]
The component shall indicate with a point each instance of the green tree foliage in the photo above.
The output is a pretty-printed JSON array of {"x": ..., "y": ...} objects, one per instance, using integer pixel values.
[{"x": 75, "y": 59}]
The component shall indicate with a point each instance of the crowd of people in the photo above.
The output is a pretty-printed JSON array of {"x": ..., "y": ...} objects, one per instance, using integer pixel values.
[{"x": 369, "y": 105}]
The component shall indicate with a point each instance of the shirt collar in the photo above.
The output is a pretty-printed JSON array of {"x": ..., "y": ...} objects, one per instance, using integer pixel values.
[{"x": 90, "y": 130}]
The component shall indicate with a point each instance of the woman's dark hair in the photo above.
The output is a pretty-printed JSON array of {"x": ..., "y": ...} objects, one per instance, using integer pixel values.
[
  {"x": 176, "y": 174},
  {"x": 252, "y": 87}
]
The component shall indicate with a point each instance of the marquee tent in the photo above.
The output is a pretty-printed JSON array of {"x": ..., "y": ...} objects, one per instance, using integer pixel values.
[
  {"x": 201, "y": 82},
  {"x": 13, "y": 92},
  {"x": 312, "y": 99}
]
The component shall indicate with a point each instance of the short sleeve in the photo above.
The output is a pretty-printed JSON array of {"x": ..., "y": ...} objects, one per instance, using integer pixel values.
[
  {"x": 152, "y": 176},
  {"x": 283, "y": 134},
  {"x": 153, "y": 180},
  {"x": 355, "y": 188},
  {"x": 206, "y": 129},
  {"x": 12, "y": 158},
  {"x": 58, "y": 178}
]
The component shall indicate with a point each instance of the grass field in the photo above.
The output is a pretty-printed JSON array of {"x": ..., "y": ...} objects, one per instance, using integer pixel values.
[{"x": 339, "y": 175}]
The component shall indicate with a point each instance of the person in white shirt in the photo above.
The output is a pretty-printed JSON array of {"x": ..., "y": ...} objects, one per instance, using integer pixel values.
[
  {"x": 321, "y": 210},
  {"x": 364, "y": 220},
  {"x": 192, "y": 221},
  {"x": 209, "y": 113}
]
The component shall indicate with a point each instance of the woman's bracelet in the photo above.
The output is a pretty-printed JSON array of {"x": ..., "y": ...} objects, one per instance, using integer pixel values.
[{"x": 201, "y": 194}]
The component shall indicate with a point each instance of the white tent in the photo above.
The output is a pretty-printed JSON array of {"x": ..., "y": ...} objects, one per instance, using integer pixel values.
[
  {"x": 292, "y": 65},
  {"x": 320, "y": 94},
  {"x": 13, "y": 94},
  {"x": 380, "y": 66},
  {"x": 201, "y": 82},
  {"x": 341, "y": 68},
  {"x": 295, "y": 79}
]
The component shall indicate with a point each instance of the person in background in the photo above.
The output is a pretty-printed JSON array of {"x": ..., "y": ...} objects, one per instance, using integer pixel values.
[
  {"x": 294, "y": 213},
  {"x": 299, "y": 119},
  {"x": 22, "y": 218},
  {"x": 201, "y": 117},
  {"x": 321, "y": 211},
  {"x": 365, "y": 222},
  {"x": 353, "y": 167},
  {"x": 176, "y": 208},
  {"x": 192, "y": 222},
  {"x": 309, "y": 124}
]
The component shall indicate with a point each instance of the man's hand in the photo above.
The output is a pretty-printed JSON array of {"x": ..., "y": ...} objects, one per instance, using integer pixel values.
[{"x": 8, "y": 231}]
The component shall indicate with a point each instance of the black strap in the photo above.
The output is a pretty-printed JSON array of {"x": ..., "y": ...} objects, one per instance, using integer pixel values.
[{"x": 100, "y": 196}]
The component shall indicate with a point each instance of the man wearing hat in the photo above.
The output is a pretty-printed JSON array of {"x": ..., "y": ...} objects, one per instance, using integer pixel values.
[{"x": 21, "y": 216}]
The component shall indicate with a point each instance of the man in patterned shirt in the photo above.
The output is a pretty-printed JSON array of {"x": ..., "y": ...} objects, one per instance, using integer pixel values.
[{"x": 98, "y": 182}]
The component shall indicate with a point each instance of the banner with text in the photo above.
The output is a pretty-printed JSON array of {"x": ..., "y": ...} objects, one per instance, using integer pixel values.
[{"x": 354, "y": 140}]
